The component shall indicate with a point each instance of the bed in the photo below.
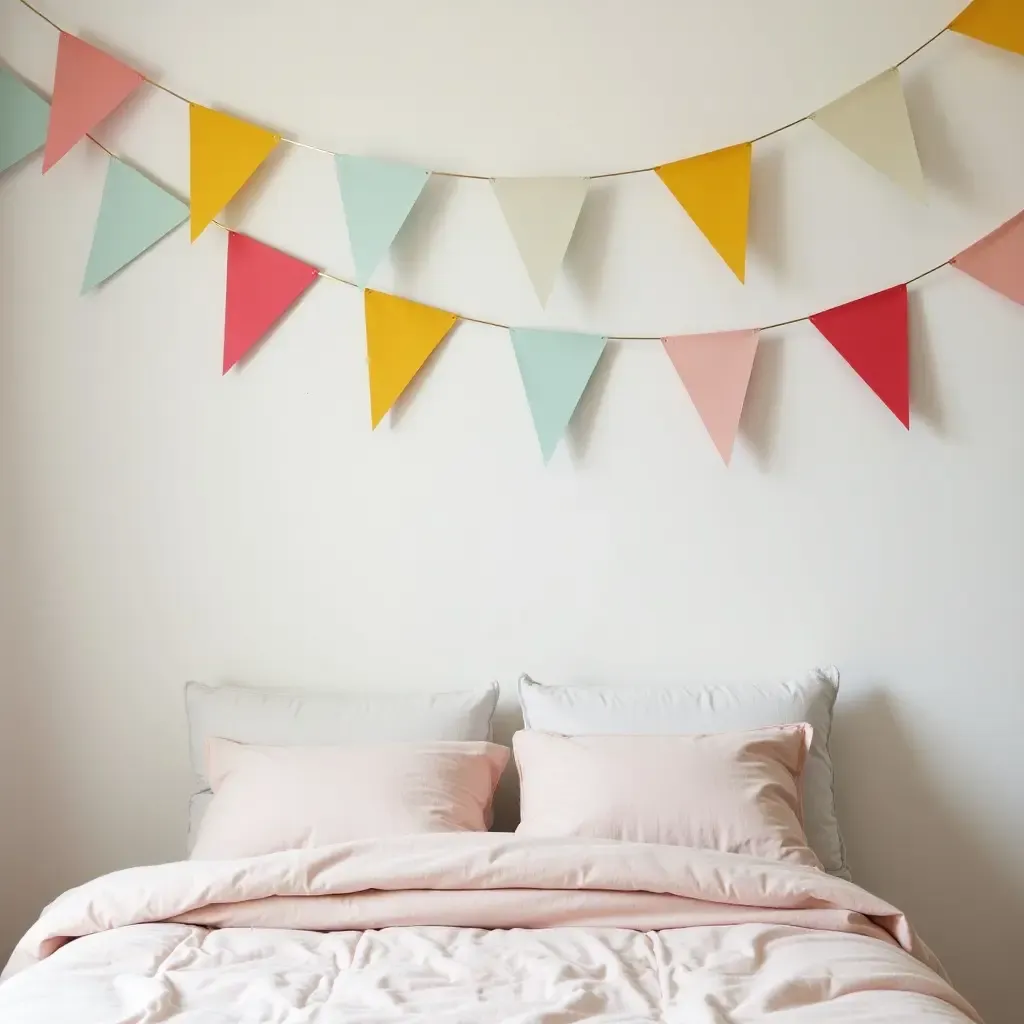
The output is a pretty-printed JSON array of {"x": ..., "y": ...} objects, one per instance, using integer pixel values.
[{"x": 466, "y": 925}]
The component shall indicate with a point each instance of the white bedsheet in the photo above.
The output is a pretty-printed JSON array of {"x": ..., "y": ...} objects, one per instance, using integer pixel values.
[{"x": 147, "y": 973}]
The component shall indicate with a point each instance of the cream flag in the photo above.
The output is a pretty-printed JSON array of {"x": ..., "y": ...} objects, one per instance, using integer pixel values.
[
  {"x": 872, "y": 121},
  {"x": 541, "y": 214}
]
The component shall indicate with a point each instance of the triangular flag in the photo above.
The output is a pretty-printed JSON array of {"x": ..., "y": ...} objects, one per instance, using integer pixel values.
[
  {"x": 998, "y": 259},
  {"x": 997, "y": 22},
  {"x": 541, "y": 213},
  {"x": 87, "y": 86},
  {"x": 261, "y": 284},
  {"x": 715, "y": 368},
  {"x": 556, "y": 367},
  {"x": 23, "y": 116},
  {"x": 378, "y": 195},
  {"x": 225, "y": 152},
  {"x": 400, "y": 335},
  {"x": 714, "y": 189},
  {"x": 134, "y": 214},
  {"x": 871, "y": 335},
  {"x": 872, "y": 122}
]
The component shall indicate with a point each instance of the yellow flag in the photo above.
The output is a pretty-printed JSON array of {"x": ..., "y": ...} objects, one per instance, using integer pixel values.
[
  {"x": 224, "y": 153},
  {"x": 998, "y": 22},
  {"x": 714, "y": 189},
  {"x": 400, "y": 334}
]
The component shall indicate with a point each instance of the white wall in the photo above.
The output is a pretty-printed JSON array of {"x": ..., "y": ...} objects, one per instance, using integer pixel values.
[{"x": 160, "y": 522}]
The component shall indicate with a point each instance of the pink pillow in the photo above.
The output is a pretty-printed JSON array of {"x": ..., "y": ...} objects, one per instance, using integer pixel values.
[
  {"x": 735, "y": 791},
  {"x": 267, "y": 799}
]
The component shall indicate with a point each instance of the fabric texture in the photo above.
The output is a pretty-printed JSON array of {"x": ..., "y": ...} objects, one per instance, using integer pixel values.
[
  {"x": 287, "y": 718},
  {"x": 477, "y": 928},
  {"x": 270, "y": 799},
  {"x": 689, "y": 709},
  {"x": 736, "y": 792}
]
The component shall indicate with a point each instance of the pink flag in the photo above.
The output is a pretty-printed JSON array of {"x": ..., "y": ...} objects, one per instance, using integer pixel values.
[
  {"x": 871, "y": 335},
  {"x": 262, "y": 283},
  {"x": 998, "y": 259},
  {"x": 715, "y": 368},
  {"x": 87, "y": 86}
]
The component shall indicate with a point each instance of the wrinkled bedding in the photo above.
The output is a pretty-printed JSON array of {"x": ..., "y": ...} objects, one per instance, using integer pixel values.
[{"x": 475, "y": 928}]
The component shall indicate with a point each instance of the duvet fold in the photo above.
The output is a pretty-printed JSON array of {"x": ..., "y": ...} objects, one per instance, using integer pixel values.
[{"x": 474, "y": 880}]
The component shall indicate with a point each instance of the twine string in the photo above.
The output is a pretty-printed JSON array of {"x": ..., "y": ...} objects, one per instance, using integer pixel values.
[
  {"x": 614, "y": 174},
  {"x": 483, "y": 177}
]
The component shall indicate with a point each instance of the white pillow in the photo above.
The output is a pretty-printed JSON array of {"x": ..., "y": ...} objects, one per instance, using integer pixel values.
[
  {"x": 295, "y": 718},
  {"x": 665, "y": 710}
]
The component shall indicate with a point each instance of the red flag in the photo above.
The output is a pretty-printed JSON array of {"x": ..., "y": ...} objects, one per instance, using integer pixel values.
[
  {"x": 87, "y": 86},
  {"x": 871, "y": 335},
  {"x": 261, "y": 284}
]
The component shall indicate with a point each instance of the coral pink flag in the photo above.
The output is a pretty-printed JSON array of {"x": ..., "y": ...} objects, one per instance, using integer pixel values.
[
  {"x": 998, "y": 259},
  {"x": 87, "y": 86},
  {"x": 715, "y": 369},
  {"x": 871, "y": 335},
  {"x": 261, "y": 284}
]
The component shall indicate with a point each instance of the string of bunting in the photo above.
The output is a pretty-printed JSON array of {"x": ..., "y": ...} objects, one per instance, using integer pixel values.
[
  {"x": 262, "y": 283},
  {"x": 480, "y": 177}
]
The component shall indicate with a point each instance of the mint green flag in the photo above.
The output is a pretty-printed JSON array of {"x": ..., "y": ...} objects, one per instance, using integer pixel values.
[
  {"x": 556, "y": 367},
  {"x": 24, "y": 115},
  {"x": 135, "y": 213},
  {"x": 378, "y": 195}
]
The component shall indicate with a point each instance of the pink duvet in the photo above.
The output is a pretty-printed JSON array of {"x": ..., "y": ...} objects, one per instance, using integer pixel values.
[{"x": 477, "y": 928}]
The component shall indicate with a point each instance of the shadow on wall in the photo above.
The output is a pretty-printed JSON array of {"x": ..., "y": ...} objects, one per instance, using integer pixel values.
[
  {"x": 759, "y": 421},
  {"x": 926, "y": 401},
  {"x": 507, "y": 720},
  {"x": 908, "y": 843},
  {"x": 28, "y": 850}
]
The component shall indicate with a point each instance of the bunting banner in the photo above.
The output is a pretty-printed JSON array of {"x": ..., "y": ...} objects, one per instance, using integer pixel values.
[
  {"x": 714, "y": 189},
  {"x": 556, "y": 367},
  {"x": 262, "y": 284},
  {"x": 872, "y": 122},
  {"x": 998, "y": 260},
  {"x": 23, "y": 117},
  {"x": 996, "y": 22},
  {"x": 715, "y": 369},
  {"x": 135, "y": 213},
  {"x": 400, "y": 336},
  {"x": 871, "y": 335},
  {"x": 378, "y": 196},
  {"x": 88, "y": 86},
  {"x": 225, "y": 153},
  {"x": 541, "y": 214}
]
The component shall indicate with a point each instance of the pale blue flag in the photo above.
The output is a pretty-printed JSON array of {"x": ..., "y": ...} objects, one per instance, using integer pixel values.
[
  {"x": 135, "y": 213},
  {"x": 378, "y": 195},
  {"x": 556, "y": 367},
  {"x": 23, "y": 118}
]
